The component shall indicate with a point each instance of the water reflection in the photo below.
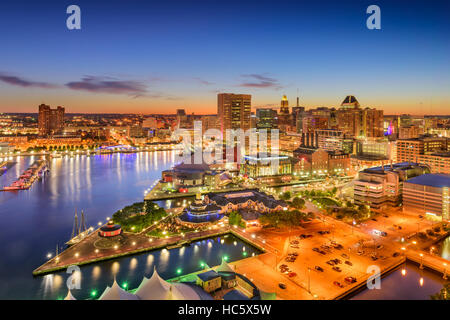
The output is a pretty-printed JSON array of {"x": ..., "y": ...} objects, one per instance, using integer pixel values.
[
  {"x": 415, "y": 284},
  {"x": 445, "y": 249}
]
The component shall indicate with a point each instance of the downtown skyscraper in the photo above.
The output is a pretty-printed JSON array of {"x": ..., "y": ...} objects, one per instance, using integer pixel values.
[{"x": 233, "y": 111}]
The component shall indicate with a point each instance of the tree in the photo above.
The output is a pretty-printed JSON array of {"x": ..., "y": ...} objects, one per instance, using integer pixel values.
[
  {"x": 444, "y": 294},
  {"x": 235, "y": 219},
  {"x": 334, "y": 191},
  {"x": 298, "y": 203},
  {"x": 283, "y": 218},
  {"x": 286, "y": 195}
]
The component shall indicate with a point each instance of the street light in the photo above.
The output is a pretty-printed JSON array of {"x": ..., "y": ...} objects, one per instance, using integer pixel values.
[
  {"x": 309, "y": 279},
  {"x": 404, "y": 265},
  {"x": 445, "y": 271}
]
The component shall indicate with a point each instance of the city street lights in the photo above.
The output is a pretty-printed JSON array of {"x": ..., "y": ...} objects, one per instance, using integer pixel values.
[
  {"x": 309, "y": 279},
  {"x": 445, "y": 271},
  {"x": 404, "y": 265},
  {"x": 421, "y": 261}
]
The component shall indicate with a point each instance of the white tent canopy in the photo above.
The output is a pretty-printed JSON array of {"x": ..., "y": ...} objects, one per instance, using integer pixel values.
[
  {"x": 156, "y": 288},
  {"x": 69, "y": 296},
  {"x": 224, "y": 267},
  {"x": 117, "y": 293}
]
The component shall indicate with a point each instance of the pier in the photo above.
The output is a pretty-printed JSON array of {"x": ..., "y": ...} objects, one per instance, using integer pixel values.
[
  {"x": 85, "y": 252},
  {"x": 5, "y": 166},
  {"x": 28, "y": 177}
]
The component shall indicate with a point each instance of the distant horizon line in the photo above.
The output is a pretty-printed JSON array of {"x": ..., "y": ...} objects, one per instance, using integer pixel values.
[{"x": 196, "y": 114}]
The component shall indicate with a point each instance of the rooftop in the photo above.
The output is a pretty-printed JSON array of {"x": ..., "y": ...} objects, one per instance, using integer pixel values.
[
  {"x": 432, "y": 180},
  {"x": 235, "y": 295},
  {"x": 208, "y": 275},
  {"x": 393, "y": 167}
]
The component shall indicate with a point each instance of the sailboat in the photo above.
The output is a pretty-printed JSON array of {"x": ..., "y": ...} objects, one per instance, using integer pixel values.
[{"x": 79, "y": 231}]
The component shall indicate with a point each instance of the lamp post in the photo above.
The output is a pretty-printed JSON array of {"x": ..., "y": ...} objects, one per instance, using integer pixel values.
[
  {"x": 445, "y": 272},
  {"x": 309, "y": 279},
  {"x": 404, "y": 265},
  {"x": 421, "y": 261}
]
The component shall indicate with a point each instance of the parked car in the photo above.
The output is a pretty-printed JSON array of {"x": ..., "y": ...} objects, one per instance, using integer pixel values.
[
  {"x": 345, "y": 256},
  {"x": 336, "y": 283},
  {"x": 292, "y": 274},
  {"x": 335, "y": 268},
  {"x": 315, "y": 249},
  {"x": 331, "y": 262},
  {"x": 350, "y": 279},
  {"x": 348, "y": 263},
  {"x": 319, "y": 268},
  {"x": 282, "y": 285},
  {"x": 395, "y": 254}
]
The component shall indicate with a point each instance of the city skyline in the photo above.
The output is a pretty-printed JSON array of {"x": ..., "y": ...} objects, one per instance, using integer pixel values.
[{"x": 156, "y": 58}]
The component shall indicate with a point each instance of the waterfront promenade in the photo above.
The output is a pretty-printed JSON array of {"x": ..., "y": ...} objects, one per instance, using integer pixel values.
[
  {"x": 86, "y": 252},
  {"x": 359, "y": 246}
]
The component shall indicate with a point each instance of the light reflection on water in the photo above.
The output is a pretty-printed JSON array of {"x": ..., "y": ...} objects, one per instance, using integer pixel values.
[
  {"x": 445, "y": 249},
  {"x": 34, "y": 222},
  {"x": 416, "y": 284}
]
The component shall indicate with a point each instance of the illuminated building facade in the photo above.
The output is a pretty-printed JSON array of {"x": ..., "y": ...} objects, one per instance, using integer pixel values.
[
  {"x": 233, "y": 111},
  {"x": 50, "y": 121},
  {"x": 428, "y": 195},
  {"x": 382, "y": 187}
]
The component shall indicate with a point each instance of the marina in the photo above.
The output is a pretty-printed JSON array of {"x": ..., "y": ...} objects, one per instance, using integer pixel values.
[
  {"x": 28, "y": 177},
  {"x": 57, "y": 216},
  {"x": 5, "y": 166}
]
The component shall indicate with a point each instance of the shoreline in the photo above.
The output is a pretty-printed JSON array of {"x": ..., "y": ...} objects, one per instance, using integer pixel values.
[{"x": 42, "y": 270}]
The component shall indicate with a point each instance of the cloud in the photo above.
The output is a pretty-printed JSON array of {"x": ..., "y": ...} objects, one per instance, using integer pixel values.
[
  {"x": 22, "y": 82},
  {"x": 205, "y": 82},
  {"x": 109, "y": 85},
  {"x": 259, "y": 81}
]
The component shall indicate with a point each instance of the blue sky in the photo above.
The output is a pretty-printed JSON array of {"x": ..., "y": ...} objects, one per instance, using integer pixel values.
[{"x": 148, "y": 56}]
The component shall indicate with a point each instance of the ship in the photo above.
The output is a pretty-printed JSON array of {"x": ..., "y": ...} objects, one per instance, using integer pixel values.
[{"x": 79, "y": 231}]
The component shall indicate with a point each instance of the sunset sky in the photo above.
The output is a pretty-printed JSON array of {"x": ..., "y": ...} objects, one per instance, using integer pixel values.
[{"x": 154, "y": 57}]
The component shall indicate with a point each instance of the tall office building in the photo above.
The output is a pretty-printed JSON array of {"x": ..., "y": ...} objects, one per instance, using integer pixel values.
[
  {"x": 358, "y": 122},
  {"x": 373, "y": 123},
  {"x": 266, "y": 118},
  {"x": 284, "y": 106},
  {"x": 233, "y": 111},
  {"x": 431, "y": 150},
  {"x": 284, "y": 117},
  {"x": 50, "y": 121}
]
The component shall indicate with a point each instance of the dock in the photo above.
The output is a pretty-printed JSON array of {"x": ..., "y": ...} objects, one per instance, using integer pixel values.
[
  {"x": 85, "y": 252},
  {"x": 5, "y": 166},
  {"x": 28, "y": 177}
]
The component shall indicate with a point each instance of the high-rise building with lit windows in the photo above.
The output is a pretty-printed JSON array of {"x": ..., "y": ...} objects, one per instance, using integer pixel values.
[
  {"x": 233, "y": 111},
  {"x": 50, "y": 121}
]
